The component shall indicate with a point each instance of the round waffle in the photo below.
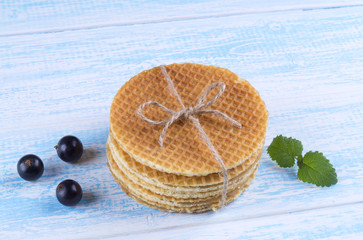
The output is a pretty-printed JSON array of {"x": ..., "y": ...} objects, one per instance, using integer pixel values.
[
  {"x": 184, "y": 152},
  {"x": 183, "y": 175},
  {"x": 176, "y": 192},
  {"x": 185, "y": 201},
  {"x": 168, "y": 180},
  {"x": 165, "y": 203}
]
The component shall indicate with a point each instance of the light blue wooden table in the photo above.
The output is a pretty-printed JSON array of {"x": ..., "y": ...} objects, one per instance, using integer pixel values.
[{"x": 61, "y": 63}]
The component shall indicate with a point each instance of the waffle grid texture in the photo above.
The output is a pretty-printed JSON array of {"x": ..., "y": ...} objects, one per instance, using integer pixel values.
[
  {"x": 183, "y": 175},
  {"x": 184, "y": 152},
  {"x": 170, "y": 180},
  {"x": 164, "y": 203},
  {"x": 176, "y": 191}
]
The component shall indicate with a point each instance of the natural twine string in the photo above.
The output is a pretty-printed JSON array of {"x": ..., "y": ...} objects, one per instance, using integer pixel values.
[{"x": 191, "y": 113}]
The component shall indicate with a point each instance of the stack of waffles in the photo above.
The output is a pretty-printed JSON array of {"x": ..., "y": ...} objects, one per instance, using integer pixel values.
[{"x": 183, "y": 175}]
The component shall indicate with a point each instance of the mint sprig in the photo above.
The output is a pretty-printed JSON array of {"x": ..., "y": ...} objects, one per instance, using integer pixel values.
[
  {"x": 313, "y": 167},
  {"x": 285, "y": 150}
]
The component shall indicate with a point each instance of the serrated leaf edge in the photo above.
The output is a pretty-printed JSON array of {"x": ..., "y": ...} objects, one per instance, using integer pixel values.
[
  {"x": 276, "y": 160},
  {"x": 319, "y": 185}
]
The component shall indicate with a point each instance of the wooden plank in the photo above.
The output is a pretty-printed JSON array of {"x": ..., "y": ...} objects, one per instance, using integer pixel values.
[
  {"x": 76, "y": 68},
  {"x": 343, "y": 222},
  {"x": 31, "y": 209},
  {"x": 19, "y": 17},
  {"x": 306, "y": 65}
]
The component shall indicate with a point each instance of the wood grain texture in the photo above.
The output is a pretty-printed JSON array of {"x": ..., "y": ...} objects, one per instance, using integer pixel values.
[
  {"x": 307, "y": 66},
  {"x": 19, "y": 17},
  {"x": 325, "y": 223}
]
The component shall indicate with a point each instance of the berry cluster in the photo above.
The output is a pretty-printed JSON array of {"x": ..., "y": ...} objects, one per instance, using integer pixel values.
[{"x": 69, "y": 149}]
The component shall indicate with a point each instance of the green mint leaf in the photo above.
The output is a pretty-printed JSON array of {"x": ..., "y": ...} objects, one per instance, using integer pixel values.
[
  {"x": 316, "y": 169},
  {"x": 285, "y": 150}
]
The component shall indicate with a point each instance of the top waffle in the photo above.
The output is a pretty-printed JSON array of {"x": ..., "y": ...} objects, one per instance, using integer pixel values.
[{"x": 184, "y": 152}]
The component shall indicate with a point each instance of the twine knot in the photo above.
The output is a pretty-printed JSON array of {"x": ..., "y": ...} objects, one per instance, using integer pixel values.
[
  {"x": 186, "y": 113},
  {"x": 191, "y": 113}
]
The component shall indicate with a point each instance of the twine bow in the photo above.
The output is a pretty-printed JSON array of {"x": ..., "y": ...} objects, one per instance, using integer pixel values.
[{"x": 191, "y": 113}]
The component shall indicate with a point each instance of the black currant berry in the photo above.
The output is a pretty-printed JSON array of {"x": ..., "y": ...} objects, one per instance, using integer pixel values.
[
  {"x": 30, "y": 167},
  {"x": 69, "y": 192},
  {"x": 69, "y": 149}
]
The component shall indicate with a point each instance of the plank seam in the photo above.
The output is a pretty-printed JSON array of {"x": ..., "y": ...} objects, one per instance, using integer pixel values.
[
  {"x": 177, "y": 19},
  {"x": 228, "y": 221}
]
